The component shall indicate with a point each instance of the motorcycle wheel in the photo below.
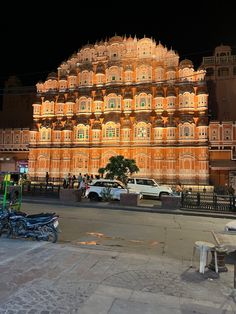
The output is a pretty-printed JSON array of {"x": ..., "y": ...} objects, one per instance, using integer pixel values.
[{"x": 52, "y": 235}]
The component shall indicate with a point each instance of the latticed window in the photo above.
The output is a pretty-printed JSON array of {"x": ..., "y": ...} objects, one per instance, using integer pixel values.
[
  {"x": 80, "y": 133},
  {"x": 142, "y": 132},
  {"x": 110, "y": 132},
  {"x": 82, "y": 105}
]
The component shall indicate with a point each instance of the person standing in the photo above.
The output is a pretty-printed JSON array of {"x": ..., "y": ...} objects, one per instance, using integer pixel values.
[
  {"x": 47, "y": 178},
  {"x": 179, "y": 188}
]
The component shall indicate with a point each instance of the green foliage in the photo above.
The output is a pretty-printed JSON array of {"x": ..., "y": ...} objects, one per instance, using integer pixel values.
[
  {"x": 106, "y": 194},
  {"x": 101, "y": 171},
  {"x": 120, "y": 168}
]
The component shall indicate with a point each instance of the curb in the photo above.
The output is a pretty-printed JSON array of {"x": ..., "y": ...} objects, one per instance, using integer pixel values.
[{"x": 153, "y": 209}]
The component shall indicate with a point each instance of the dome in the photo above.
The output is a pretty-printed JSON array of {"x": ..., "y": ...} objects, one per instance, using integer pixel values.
[
  {"x": 87, "y": 46},
  {"x": 115, "y": 39},
  {"x": 129, "y": 39},
  {"x": 222, "y": 49},
  {"x": 186, "y": 63}
]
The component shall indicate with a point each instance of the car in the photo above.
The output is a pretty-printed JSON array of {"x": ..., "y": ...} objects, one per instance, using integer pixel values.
[
  {"x": 100, "y": 189},
  {"x": 230, "y": 226},
  {"x": 148, "y": 187}
]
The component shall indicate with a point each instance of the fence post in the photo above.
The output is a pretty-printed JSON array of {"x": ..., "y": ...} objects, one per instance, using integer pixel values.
[
  {"x": 198, "y": 199},
  {"x": 214, "y": 201}
]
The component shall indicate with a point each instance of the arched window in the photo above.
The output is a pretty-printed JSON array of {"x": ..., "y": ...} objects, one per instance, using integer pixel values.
[
  {"x": 143, "y": 101},
  {"x": 186, "y": 131},
  {"x": 45, "y": 134},
  {"x": 84, "y": 105},
  {"x": 144, "y": 73},
  {"x": 113, "y": 74},
  {"x": 112, "y": 102},
  {"x": 82, "y": 132},
  {"x": 142, "y": 131},
  {"x": 111, "y": 131}
]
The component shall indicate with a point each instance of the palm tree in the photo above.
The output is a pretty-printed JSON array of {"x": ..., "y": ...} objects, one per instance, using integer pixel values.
[{"x": 120, "y": 168}]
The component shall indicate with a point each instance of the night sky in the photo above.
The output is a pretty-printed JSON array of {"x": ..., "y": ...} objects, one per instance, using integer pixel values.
[{"x": 37, "y": 37}]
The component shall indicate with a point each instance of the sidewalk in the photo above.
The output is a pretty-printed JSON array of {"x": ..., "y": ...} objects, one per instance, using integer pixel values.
[
  {"x": 40, "y": 277},
  {"x": 146, "y": 205}
]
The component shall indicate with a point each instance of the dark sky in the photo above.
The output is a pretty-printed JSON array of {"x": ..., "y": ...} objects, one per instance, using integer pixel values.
[{"x": 37, "y": 37}]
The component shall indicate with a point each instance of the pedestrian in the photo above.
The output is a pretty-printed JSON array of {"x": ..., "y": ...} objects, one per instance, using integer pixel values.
[
  {"x": 231, "y": 190},
  {"x": 82, "y": 187},
  {"x": 47, "y": 178},
  {"x": 179, "y": 188}
]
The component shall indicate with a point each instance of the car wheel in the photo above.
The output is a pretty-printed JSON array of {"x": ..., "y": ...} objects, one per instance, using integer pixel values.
[
  {"x": 93, "y": 196},
  {"x": 163, "y": 193}
]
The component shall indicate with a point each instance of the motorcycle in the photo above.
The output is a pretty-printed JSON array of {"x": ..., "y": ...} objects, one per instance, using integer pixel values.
[{"x": 43, "y": 226}]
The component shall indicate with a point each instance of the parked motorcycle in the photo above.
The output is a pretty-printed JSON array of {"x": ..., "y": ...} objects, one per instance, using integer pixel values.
[{"x": 43, "y": 226}]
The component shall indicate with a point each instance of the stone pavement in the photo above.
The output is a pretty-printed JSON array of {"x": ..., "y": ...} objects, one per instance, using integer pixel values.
[{"x": 45, "y": 278}]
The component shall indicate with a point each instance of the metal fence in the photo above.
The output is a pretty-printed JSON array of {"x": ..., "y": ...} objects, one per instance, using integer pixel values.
[{"x": 208, "y": 202}]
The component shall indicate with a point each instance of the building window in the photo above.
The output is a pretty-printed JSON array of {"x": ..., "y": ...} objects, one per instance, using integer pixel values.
[{"x": 223, "y": 71}]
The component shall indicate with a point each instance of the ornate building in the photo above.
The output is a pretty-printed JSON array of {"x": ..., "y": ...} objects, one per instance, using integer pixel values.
[{"x": 125, "y": 97}]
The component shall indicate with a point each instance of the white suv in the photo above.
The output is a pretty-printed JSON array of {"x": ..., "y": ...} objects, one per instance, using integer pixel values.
[
  {"x": 99, "y": 187},
  {"x": 148, "y": 187}
]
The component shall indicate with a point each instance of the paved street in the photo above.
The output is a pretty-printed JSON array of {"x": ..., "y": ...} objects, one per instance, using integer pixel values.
[{"x": 116, "y": 262}]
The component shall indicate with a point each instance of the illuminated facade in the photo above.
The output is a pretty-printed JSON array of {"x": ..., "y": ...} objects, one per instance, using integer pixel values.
[{"x": 125, "y": 97}]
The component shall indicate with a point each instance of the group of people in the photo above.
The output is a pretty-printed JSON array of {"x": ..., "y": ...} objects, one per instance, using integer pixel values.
[{"x": 83, "y": 181}]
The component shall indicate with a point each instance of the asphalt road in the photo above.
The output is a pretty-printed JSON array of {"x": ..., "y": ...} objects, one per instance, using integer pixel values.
[{"x": 129, "y": 231}]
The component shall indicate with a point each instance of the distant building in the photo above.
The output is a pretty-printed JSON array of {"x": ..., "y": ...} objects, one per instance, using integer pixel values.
[
  {"x": 222, "y": 153},
  {"x": 14, "y": 150},
  {"x": 221, "y": 82},
  {"x": 125, "y": 97},
  {"x": 16, "y": 111}
]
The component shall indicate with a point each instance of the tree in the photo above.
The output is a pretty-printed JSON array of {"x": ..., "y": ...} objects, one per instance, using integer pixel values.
[{"x": 120, "y": 168}]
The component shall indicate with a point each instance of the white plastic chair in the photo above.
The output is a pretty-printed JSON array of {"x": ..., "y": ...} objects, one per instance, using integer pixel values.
[{"x": 204, "y": 248}]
